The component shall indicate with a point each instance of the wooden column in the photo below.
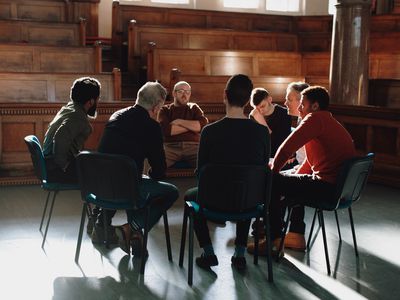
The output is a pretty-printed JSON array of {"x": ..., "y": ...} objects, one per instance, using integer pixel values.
[{"x": 349, "y": 54}]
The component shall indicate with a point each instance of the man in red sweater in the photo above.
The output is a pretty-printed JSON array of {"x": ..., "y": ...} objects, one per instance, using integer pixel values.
[
  {"x": 181, "y": 123},
  {"x": 327, "y": 146}
]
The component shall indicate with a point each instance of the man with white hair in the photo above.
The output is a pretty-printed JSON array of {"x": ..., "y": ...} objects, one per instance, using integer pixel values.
[
  {"x": 181, "y": 123},
  {"x": 134, "y": 132}
]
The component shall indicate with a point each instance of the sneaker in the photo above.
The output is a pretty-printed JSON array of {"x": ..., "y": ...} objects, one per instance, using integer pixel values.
[
  {"x": 98, "y": 237},
  {"x": 295, "y": 241},
  {"x": 206, "y": 261},
  {"x": 239, "y": 262},
  {"x": 262, "y": 248}
]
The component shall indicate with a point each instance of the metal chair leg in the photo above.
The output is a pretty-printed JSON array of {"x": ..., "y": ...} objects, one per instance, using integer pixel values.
[
  {"x": 190, "y": 260},
  {"x": 269, "y": 247},
  {"x": 105, "y": 230},
  {"x": 145, "y": 236},
  {"x": 283, "y": 233},
  {"x": 321, "y": 217},
  {"x": 353, "y": 231},
  {"x": 183, "y": 236},
  {"x": 44, "y": 210},
  {"x": 338, "y": 227},
  {"x": 256, "y": 240},
  {"x": 167, "y": 236},
  {"x": 79, "y": 242},
  {"x": 48, "y": 219},
  {"x": 311, "y": 230}
]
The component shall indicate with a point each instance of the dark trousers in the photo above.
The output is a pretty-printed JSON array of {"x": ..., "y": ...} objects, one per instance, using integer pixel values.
[
  {"x": 160, "y": 195},
  {"x": 57, "y": 175},
  {"x": 201, "y": 229},
  {"x": 301, "y": 189}
]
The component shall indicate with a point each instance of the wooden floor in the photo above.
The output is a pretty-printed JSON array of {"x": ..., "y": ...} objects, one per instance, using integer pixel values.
[{"x": 29, "y": 272}]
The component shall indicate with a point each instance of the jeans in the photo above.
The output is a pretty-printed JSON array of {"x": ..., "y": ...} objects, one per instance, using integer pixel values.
[{"x": 161, "y": 195}]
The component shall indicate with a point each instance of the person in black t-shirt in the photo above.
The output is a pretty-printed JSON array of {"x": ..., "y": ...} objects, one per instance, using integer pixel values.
[{"x": 235, "y": 139}]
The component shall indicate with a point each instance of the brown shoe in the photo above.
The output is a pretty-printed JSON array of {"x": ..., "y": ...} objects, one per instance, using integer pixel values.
[
  {"x": 295, "y": 241},
  {"x": 123, "y": 233},
  {"x": 262, "y": 248}
]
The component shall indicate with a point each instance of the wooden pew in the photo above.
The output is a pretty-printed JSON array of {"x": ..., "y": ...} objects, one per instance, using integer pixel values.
[
  {"x": 53, "y": 87},
  {"x": 48, "y": 59},
  {"x": 53, "y": 11},
  {"x": 210, "y": 89},
  {"x": 221, "y": 62},
  {"x": 46, "y": 33},
  {"x": 194, "y": 38},
  {"x": 178, "y": 17}
]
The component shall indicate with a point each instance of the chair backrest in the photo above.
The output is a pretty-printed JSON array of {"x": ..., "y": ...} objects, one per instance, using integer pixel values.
[
  {"x": 352, "y": 179},
  {"x": 233, "y": 188},
  {"x": 37, "y": 157},
  {"x": 108, "y": 180}
]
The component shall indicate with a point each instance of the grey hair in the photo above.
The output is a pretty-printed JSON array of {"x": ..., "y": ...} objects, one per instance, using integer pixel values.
[
  {"x": 150, "y": 95},
  {"x": 181, "y": 83},
  {"x": 298, "y": 86}
]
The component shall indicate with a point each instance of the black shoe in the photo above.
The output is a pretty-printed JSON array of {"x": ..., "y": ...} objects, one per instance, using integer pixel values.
[
  {"x": 239, "y": 262},
  {"x": 206, "y": 261}
]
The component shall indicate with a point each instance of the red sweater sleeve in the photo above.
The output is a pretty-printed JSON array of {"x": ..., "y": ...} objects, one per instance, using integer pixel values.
[{"x": 309, "y": 128}]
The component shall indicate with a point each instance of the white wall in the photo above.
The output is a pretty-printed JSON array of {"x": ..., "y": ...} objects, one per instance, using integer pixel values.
[{"x": 308, "y": 7}]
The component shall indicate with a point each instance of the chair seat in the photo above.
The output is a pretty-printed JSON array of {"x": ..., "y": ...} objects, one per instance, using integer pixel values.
[
  {"x": 224, "y": 216},
  {"x": 107, "y": 204},
  {"x": 54, "y": 186}
]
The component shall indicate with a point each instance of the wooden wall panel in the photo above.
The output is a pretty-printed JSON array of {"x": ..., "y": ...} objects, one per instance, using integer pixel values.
[{"x": 37, "y": 58}]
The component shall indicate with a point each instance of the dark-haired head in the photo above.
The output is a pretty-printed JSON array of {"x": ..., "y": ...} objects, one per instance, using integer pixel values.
[
  {"x": 85, "y": 89},
  {"x": 238, "y": 90},
  {"x": 317, "y": 94}
]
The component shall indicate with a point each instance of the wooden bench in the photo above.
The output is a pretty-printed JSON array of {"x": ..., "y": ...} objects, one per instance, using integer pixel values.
[
  {"x": 194, "y": 38},
  {"x": 210, "y": 89},
  {"x": 53, "y": 87},
  {"x": 221, "y": 62},
  {"x": 46, "y": 33},
  {"x": 178, "y": 17},
  {"x": 53, "y": 11},
  {"x": 48, "y": 59}
]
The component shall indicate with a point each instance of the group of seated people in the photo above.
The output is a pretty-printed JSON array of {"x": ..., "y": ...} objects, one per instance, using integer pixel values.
[{"x": 164, "y": 134}]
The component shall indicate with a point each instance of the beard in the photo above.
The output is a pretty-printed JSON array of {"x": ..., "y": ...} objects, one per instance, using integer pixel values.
[{"x": 92, "y": 112}]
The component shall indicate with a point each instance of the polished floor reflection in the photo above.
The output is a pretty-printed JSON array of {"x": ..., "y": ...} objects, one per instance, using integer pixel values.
[{"x": 29, "y": 272}]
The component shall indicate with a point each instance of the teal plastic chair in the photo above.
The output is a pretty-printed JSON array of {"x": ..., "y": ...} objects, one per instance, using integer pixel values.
[
  {"x": 229, "y": 193},
  {"x": 111, "y": 181},
  {"x": 350, "y": 185},
  {"x": 39, "y": 166}
]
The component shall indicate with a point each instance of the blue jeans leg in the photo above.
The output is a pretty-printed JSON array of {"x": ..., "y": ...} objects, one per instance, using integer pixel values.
[{"x": 161, "y": 195}]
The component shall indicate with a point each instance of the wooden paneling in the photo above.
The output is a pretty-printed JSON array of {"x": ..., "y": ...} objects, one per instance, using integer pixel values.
[
  {"x": 384, "y": 92},
  {"x": 53, "y": 87},
  {"x": 62, "y": 34},
  {"x": 53, "y": 11},
  {"x": 221, "y": 62},
  {"x": 194, "y": 38},
  {"x": 35, "y": 58},
  {"x": 210, "y": 89},
  {"x": 384, "y": 65}
]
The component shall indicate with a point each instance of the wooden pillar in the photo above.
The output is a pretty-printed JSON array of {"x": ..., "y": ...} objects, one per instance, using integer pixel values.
[{"x": 350, "y": 52}]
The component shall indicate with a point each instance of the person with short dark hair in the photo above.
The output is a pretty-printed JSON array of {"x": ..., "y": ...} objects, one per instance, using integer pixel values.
[
  {"x": 273, "y": 116},
  {"x": 327, "y": 144},
  {"x": 234, "y": 139},
  {"x": 69, "y": 130}
]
